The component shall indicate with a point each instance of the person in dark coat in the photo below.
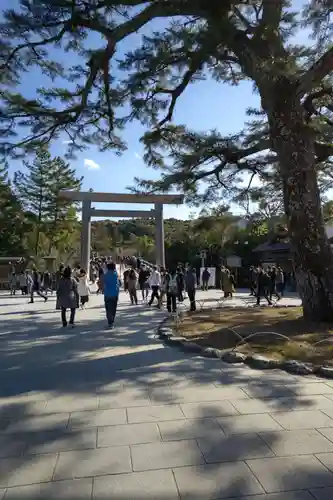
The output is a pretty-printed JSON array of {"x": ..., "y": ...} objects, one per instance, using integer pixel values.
[
  {"x": 36, "y": 286},
  {"x": 47, "y": 283},
  {"x": 125, "y": 276},
  {"x": 58, "y": 275},
  {"x": 272, "y": 288},
  {"x": 144, "y": 282},
  {"x": 253, "y": 280},
  {"x": 263, "y": 285},
  {"x": 67, "y": 296},
  {"x": 190, "y": 283},
  {"x": 205, "y": 279},
  {"x": 180, "y": 284}
]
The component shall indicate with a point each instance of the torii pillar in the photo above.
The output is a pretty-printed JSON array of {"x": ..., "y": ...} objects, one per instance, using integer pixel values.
[
  {"x": 86, "y": 235},
  {"x": 159, "y": 235}
]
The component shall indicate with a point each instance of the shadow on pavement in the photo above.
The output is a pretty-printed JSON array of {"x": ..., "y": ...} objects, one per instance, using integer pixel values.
[{"x": 63, "y": 392}]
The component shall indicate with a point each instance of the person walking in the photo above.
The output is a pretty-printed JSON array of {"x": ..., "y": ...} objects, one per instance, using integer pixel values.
[
  {"x": 125, "y": 278},
  {"x": 272, "y": 287},
  {"x": 172, "y": 291},
  {"x": 279, "y": 281},
  {"x": 205, "y": 279},
  {"x": 83, "y": 288},
  {"x": 155, "y": 285},
  {"x": 228, "y": 283},
  {"x": 100, "y": 280},
  {"x": 12, "y": 283},
  {"x": 252, "y": 281},
  {"x": 47, "y": 284},
  {"x": 58, "y": 275},
  {"x": 180, "y": 283},
  {"x": 67, "y": 296},
  {"x": 263, "y": 285},
  {"x": 29, "y": 281},
  {"x": 111, "y": 293},
  {"x": 190, "y": 283},
  {"x": 164, "y": 285},
  {"x": 23, "y": 283},
  {"x": 144, "y": 282},
  {"x": 131, "y": 283},
  {"x": 36, "y": 286}
]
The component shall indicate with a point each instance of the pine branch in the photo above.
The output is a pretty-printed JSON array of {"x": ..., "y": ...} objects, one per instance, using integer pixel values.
[
  {"x": 316, "y": 74},
  {"x": 195, "y": 65},
  {"x": 32, "y": 45}
]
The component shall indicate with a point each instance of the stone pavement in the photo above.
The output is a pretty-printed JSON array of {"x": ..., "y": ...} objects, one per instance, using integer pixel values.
[{"x": 89, "y": 414}]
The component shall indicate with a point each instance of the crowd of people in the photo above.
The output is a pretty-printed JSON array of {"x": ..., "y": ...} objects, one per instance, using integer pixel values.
[
  {"x": 147, "y": 284},
  {"x": 170, "y": 286},
  {"x": 31, "y": 282},
  {"x": 267, "y": 283}
]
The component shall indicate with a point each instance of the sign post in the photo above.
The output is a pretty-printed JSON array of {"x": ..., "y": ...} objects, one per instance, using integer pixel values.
[{"x": 203, "y": 255}]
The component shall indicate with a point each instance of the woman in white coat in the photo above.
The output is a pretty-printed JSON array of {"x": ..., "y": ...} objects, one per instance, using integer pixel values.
[{"x": 83, "y": 287}]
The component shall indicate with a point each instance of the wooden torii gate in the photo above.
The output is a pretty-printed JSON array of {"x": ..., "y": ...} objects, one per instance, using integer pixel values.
[{"x": 89, "y": 197}]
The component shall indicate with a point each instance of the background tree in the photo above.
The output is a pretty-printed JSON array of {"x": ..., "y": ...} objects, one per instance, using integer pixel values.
[
  {"x": 145, "y": 247},
  {"x": 38, "y": 190},
  {"x": 61, "y": 214},
  {"x": 229, "y": 41},
  {"x": 32, "y": 189},
  {"x": 13, "y": 221},
  {"x": 101, "y": 237}
]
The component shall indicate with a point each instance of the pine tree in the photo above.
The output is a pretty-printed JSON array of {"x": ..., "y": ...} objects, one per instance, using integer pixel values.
[
  {"x": 33, "y": 188},
  {"x": 60, "y": 213},
  {"x": 38, "y": 189},
  {"x": 13, "y": 223},
  {"x": 230, "y": 41}
]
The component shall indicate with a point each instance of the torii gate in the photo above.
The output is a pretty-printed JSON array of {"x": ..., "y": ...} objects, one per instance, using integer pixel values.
[{"x": 87, "y": 198}]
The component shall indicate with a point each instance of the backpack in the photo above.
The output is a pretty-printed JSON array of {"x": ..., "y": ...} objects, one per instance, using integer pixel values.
[{"x": 173, "y": 285}]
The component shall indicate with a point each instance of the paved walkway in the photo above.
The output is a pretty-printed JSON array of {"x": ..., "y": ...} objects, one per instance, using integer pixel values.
[{"x": 87, "y": 414}]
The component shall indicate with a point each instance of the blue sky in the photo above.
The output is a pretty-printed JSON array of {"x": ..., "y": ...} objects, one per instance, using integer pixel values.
[{"x": 205, "y": 105}]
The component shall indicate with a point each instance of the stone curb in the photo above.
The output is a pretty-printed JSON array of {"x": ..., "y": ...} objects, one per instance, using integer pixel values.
[{"x": 165, "y": 333}]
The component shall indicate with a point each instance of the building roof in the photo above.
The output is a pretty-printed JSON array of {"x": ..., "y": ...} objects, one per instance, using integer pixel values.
[{"x": 273, "y": 247}]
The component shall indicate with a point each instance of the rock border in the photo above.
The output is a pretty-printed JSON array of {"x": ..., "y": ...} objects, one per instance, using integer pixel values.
[{"x": 165, "y": 333}]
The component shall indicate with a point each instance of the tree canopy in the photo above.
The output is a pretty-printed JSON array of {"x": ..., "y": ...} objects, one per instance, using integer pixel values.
[
  {"x": 13, "y": 221},
  {"x": 228, "y": 41}
]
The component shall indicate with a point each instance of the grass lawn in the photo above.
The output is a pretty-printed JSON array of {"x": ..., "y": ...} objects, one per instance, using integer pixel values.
[{"x": 212, "y": 328}]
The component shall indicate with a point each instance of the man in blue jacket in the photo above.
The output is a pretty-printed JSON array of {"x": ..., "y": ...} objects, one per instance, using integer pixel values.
[{"x": 111, "y": 292}]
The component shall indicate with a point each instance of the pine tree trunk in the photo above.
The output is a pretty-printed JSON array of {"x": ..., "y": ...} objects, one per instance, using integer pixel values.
[{"x": 293, "y": 141}]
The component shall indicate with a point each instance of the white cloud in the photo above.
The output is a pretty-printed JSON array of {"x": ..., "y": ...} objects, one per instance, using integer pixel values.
[
  {"x": 138, "y": 156},
  {"x": 67, "y": 142},
  {"x": 91, "y": 164}
]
